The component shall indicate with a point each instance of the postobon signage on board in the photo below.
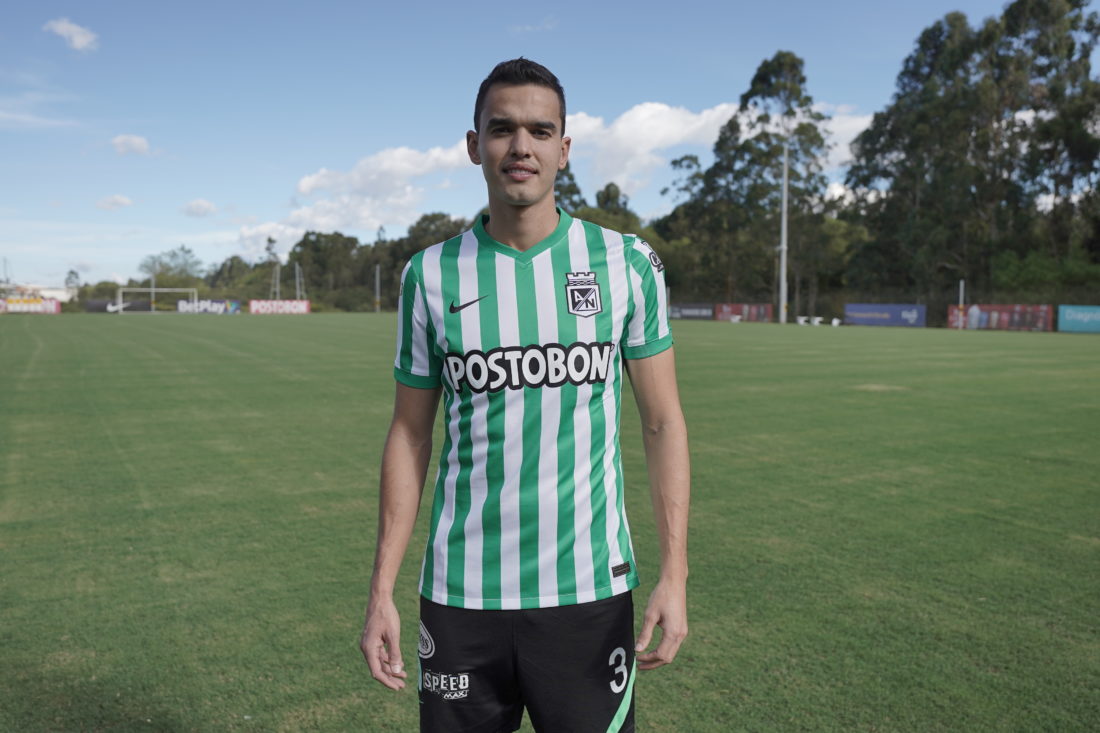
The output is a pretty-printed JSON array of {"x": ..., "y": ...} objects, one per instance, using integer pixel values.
[{"x": 278, "y": 307}]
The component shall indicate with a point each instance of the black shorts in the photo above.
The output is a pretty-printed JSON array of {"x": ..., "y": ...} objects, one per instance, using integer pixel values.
[{"x": 571, "y": 667}]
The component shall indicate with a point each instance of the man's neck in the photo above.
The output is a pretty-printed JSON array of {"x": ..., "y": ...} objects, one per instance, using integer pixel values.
[{"x": 521, "y": 227}]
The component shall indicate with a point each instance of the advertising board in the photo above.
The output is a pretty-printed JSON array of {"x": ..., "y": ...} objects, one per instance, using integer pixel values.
[
  {"x": 3, "y": 306},
  {"x": 694, "y": 311},
  {"x": 1079, "y": 318},
  {"x": 111, "y": 306},
  {"x": 753, "y": 312},
  {"x": 217, "y": 307},
  {"x": 41, "y": 306},
  {"x": 909, "y": 315},
  {"x": 278, "y": 307},
  {"x": 1015, "y": 317}
]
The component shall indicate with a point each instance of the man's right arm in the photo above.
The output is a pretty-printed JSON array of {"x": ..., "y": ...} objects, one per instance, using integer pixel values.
[{"x": 404, "y": 467}]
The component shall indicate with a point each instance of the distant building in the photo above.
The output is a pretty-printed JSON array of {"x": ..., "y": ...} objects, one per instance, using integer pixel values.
[{"x": 13, "y": 290}]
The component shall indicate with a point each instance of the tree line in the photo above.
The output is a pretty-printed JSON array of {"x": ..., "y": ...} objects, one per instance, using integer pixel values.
[{"x": 983, "y": 167}]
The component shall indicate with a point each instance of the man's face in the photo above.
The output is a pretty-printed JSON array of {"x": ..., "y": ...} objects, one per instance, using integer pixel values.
[{"x": 520, "y": 146}]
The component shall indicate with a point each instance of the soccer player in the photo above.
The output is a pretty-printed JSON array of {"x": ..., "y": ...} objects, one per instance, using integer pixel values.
[{"x": 523, "y": 325}]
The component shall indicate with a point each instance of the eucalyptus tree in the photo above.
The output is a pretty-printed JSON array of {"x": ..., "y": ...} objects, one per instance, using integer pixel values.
[{"x": 984, "y": 153}]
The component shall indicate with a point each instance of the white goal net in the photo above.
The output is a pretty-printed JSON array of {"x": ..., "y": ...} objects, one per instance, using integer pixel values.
[{"x": 121, "y": 305}]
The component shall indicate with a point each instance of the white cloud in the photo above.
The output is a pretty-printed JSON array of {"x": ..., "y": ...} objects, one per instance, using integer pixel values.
[
  {"x": 78, "y": 37},
  {"x": 627, "y": 150},
  {"x": 116, "y": 201},
  {"x": 548, "y": 23},
  {"x": 21, "y": 109},
  {"x": 377, "y": 174},
  {"x": 10, "y": 118},
  {"x": 130, "y": 144},
  {"x": 377, "y": 191},
  {"x": 844, "y": 126},
  {"x": 253, "y": 239},
  {"x": 200, "y": 208}
]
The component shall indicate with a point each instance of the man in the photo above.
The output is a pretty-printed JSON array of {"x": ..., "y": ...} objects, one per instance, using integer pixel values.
[{"x": 523, "y": 325}]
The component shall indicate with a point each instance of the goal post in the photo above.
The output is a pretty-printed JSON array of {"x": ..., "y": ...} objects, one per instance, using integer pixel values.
[{"x": 193, "y": 296}]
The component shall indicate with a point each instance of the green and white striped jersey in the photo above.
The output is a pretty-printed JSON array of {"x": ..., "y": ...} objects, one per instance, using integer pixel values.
[{"x": 528, "y": 347}]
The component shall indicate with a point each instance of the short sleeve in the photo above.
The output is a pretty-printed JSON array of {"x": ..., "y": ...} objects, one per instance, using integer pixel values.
[
  {"x": 416, "y": 363},
  {"x": 647, "y": 327}
]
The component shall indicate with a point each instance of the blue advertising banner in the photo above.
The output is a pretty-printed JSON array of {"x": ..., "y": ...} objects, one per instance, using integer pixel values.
[
  {"x": 1079, "y": 318},
  {"x": 879, "y": 314}
]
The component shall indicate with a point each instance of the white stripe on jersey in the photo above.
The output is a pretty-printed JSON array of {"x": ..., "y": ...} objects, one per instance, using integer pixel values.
[
  {"x": 636, "y": 327},
  {"x": 479, "y": 430},
  {"x": 508, "y": 314},
  {"x": 419, "y": 346},
  {"x": 546, "y": 287},
  {"x": 433, "y": 293},
  {"x": 662, "y": 296},
  {"x": 617, "y": 268},
  {"x": 582, "y": 438}
]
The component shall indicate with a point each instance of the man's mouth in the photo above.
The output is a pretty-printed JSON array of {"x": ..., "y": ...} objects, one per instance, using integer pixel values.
[{"x": 519, "y": 172}]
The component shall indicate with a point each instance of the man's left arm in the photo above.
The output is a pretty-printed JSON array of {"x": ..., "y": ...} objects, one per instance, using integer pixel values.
[{"x": 664, "y": 435}]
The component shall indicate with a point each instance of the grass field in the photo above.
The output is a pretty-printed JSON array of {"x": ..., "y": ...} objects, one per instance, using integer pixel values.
[{"x": 893, "y": 529}]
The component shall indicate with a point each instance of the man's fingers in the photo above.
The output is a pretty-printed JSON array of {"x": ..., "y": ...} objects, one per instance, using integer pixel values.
[
  {"x": 666, "y": 650},
  {"x": 647, "y": 633},
  {"x": 382, "y": 670},
  {"x": 397, "y": 667},
  {"x": 650, "y": 660},
  {"x": 385, "y": 663}
]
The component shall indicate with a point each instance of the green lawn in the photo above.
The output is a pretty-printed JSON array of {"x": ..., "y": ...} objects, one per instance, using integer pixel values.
[{"x": 893, "y": 529}]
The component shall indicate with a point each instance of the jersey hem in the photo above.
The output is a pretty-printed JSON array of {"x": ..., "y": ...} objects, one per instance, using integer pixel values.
[
  {"x": 515, "y": 604},
  {"x": 415, "y": 380},
  {"x": 650, "y": 349}
]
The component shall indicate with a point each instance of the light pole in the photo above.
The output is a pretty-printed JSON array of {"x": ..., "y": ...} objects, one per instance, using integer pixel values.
[{"x": 783, "y": 238}]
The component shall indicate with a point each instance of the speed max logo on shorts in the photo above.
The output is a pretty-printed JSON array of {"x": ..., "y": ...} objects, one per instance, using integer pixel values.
[{"x": 447, "y": 686}]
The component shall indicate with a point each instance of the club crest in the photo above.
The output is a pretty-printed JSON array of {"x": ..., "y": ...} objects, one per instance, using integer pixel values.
[
  {"x": 426, "y": 647},
  {"x": 582, "y": 294}
]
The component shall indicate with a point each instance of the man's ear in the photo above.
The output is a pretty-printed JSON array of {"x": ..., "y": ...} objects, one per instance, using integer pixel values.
[
  {"x": 566, "y": 144},
  {"x": 471, "y": 147}
]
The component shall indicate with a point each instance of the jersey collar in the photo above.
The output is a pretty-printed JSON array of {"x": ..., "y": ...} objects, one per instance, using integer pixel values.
[{"x": 559, "y": 234}]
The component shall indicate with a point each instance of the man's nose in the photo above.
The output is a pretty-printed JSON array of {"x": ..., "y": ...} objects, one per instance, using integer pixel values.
[{"x": 521, "y": 143}]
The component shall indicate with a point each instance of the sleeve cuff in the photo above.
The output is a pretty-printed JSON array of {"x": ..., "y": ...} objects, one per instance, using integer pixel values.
[
  {"x": 415, "y": 380},
  {"x": 648, "y": 349}
]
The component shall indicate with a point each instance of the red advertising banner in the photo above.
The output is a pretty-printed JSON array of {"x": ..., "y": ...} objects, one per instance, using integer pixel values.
[
  {"x": 739, "y": 312},
  {"x": 46, "y": 306},
  {"x": 980, "y": 316},
  {"x": 278, "y": 307}
]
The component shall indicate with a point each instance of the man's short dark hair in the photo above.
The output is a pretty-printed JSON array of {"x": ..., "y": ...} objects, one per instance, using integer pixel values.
[{"x": 515, "y": 73}]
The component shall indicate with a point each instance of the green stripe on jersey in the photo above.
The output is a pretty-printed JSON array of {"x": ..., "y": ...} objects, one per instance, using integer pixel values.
[
  {"x": 567, "y": 457},
  {"x": 494, "y": 459}
]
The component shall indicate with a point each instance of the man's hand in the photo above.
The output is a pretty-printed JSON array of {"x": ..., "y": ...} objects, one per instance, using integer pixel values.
[
  {"x": 667, "y": 608},
  {"x": 381, "y": 644}
]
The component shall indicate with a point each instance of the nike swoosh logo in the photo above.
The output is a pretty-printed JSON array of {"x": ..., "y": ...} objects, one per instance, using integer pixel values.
[
  {"x": 112, "y": 308},
  {"x": 456, "y": 309}
]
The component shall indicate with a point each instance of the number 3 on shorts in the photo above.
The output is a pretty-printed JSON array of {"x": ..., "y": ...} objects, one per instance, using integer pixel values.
[{"x": 617, "y": 684}]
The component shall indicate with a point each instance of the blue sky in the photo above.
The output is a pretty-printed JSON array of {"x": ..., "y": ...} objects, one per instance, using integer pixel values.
[{"x": 129, "y": 128}]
